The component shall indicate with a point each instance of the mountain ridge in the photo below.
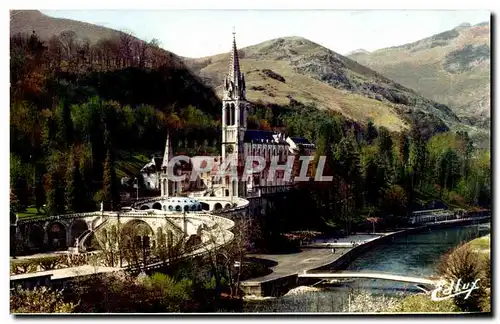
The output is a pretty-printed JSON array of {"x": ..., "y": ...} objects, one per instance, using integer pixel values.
[
  {"x": 295, "y": 57},
  {"x": 452, "y": 67}
]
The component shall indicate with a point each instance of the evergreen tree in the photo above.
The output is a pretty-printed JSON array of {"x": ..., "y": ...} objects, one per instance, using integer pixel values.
[
  {"x": 404, "y": 149},
  {"x": 375, "y": 180},
  {"x": 371, "y": 132},
  {"x": 87, "y": 177},
  {"x": 448, "y": 170},
  {"x": 39, "y": 187},
  {"x": 111, "y": 193},
  {"x": 74, "y": 193},
  {"x": 107, "y": 195},
  {"x": 21, "y": 191},
  {"x": 418, "y": 159},
  {"x": 348, "y": 166},
  {"x": 39, "y": 194},
  {"x": 55, "y": 191},
  {"x": 65, "y": 128},
  {"x": 49, "y": 131}
]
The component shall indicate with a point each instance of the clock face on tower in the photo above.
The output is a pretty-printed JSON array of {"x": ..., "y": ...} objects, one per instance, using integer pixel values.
[{"x": 230, "y": 148}]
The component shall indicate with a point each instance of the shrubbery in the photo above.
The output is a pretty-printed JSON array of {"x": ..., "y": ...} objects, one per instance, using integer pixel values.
[
  {"x": 20, "y": 266},
  {"x": 467, "y": 265},
  {"x": 39, "y": 300}
]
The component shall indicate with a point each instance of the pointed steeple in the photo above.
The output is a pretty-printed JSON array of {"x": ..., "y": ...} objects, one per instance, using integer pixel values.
[
  {"x": 234, "y": 67},
  {"x": 234, "y": 84},
  {"x": 168, "y": 154}
]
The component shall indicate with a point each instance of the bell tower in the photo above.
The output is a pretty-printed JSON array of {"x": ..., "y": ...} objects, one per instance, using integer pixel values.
[{"x": 234, "y": 121}]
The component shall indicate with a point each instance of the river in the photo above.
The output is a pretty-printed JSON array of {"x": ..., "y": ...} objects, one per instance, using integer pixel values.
[{"x": 413, "y": 255}]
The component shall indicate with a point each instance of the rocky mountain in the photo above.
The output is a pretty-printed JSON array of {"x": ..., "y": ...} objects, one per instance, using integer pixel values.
[
  {"x": 295, "y": 68},
  {"x": 452, "y": 67}
]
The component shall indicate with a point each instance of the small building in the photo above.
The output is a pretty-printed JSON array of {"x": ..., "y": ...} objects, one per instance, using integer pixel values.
[{"x": 151, "y": 173}]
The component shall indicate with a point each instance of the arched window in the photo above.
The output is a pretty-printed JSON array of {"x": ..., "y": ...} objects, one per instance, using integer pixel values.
[
  {"x": 178, "y": 208},
  {"x": 233, "y": 117},
  {"x": 170, "y": 207},
  {"x": 186, "y": 208},
  {"x": 227, "y": 111}
]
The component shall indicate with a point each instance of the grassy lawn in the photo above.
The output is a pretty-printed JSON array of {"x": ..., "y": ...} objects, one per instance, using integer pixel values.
[
  {"x": 128, "y": 165},
  {"x": 481, "y": 243},
  {"x": 31, "y": 212}
]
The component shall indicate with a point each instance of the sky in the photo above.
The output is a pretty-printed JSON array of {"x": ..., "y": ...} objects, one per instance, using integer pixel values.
[{"x": 199, "y": 33}]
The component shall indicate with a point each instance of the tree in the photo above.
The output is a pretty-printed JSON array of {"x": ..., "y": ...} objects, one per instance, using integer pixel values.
[
  {"x": 448, "y": 169},
  {"x": 65, "y": 128},
  {"x": 418, "y": 158},
  {"x": 348, "y": 165},
  {"x": 86, "y": 173},
  {"x": 14, "y": 203},
  {"x": 376, "y": 179},
  {"x": 39, "y": 192},
  {"x": 74, "y": 194},
  {"x": 126, "y": 42},
  {"x": 39, "y": 300},
  {"x": 404, "y": 148},
  {"x": 371, "y": 132},
  {"x": 111, "y": 191},
  {"x": 55, "y": 190},
  {"x": 18, "y": 181},
  {"x": 462, "y": 264},
  {"x": 69, "y": 44},
  {"x": 107, "y": 184}
]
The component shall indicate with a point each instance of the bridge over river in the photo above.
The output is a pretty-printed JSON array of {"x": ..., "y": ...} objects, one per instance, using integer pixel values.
[{"x": 370, "y": 275}]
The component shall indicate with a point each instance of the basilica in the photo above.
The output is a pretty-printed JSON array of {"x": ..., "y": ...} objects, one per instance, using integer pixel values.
[{"x": 238, "y": 143}]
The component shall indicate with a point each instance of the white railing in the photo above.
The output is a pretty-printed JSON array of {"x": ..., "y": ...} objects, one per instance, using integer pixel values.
[{"x": 57, "y": 217}]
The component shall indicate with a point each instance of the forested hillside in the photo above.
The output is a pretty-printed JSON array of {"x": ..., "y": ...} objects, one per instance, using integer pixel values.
[
  {"x": 379, "y": 176},
  {"x": 74, "y": 104}
]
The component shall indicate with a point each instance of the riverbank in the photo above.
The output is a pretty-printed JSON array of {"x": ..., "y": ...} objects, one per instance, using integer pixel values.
[
  {"x": 482, "y": 244},
  {"x": 329, "y": 255}
]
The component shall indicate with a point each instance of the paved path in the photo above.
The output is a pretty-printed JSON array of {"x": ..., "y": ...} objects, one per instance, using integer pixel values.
[
  {"x": 84, "y": 270},
  {"x": 288, "y": 264}
]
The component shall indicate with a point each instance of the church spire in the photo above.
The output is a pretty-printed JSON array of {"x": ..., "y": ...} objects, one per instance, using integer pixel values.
[
  {"x": 235, "y": 81},
  {"x": 234, "y": 68},
  {"x": 168, "y": 154}
]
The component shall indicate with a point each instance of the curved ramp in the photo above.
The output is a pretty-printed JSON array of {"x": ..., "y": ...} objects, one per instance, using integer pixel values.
[
  {"x": 368, "y": 275},
  {"x": 217, "y": 236},
  {"x": 86, "y": 235}
]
